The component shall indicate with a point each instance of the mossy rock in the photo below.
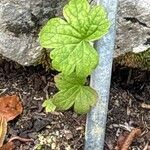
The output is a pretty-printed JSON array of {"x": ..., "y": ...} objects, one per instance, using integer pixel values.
[{"x": 135, "y": 60}]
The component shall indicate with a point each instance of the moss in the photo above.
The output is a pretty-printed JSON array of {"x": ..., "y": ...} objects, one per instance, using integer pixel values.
[
  {"x": 140, "y": 60},
  {"x": 45, "y": 59}
]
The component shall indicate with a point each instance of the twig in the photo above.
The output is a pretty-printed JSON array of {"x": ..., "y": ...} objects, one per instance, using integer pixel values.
[
  {"x": 107, "y": 147},
  {"x": 46, "y": 90},
  {"x": 2, "y": 91},
  {"x": 146, "y": 146},
  {"x": 129, "y": 76},
  {"x": 146, "y": 106},
  {"x": 125, "y": 140},
  {"x": 129, "y": 139},
  {"x": 20, "y": 139}
]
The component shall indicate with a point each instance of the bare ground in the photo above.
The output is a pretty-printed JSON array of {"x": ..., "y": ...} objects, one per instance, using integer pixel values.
[{"x": 130, "y": 88}]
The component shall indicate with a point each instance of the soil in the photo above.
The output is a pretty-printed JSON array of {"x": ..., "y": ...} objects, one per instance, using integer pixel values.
[
  {"x": 65, "y": 130},
  {"x": 130, "y": 89}
]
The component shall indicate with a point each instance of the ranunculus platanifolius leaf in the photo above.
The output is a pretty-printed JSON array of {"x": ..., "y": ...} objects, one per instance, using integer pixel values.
[
  {"x": 49, "y": 106},
  {"x": 73, "y": 54},
  {"x": 74, "y": 93},
  {"x": 70, "y": 38},
  {"x": 66, "y": 82}
]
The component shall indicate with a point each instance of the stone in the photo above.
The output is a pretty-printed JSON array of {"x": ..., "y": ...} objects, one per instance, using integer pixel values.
[
  {"x": 21, "y": 21},
  {"x": 133, "y": 26}
]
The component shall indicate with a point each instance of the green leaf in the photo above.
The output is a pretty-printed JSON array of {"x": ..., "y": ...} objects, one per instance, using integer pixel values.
[
  {"x": 71, "y": 38},
  {"x": 74, "y": 93},
  {"x": 57, "y": 33},
  {"x": 81, "y": 58},
  {"x": 66, "y": 82},
  {"x": 49, "y": 106},
  {"x": 91, "y": 23}
]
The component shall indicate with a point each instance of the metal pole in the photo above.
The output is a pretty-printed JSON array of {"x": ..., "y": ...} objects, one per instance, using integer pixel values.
[{"x": 100, "y": 81}]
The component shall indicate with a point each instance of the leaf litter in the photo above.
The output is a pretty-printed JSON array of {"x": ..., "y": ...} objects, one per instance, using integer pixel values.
[
  {"x": 11, "y": 107},
  {"x": 28, "y": 83},
  {"x": 125, "y": 140}
]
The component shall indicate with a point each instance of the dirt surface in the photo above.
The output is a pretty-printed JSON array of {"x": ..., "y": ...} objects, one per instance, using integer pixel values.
[
  {"x": 130, "y": 89},
  {"x": 65, "y": 131},
  {"x": 49, "y": 131}
]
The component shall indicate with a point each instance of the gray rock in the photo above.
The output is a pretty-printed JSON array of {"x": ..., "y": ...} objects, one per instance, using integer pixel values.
[
  {"x": 21, "y": 20},
  {"x": 133, "y": 27}
]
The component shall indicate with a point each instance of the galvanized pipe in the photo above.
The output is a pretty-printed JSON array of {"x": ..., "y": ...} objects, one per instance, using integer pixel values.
[{"x": 100, "y": 81}]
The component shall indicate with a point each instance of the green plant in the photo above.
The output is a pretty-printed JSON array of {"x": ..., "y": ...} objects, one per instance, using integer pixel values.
[{"x": 73, "y": 54}]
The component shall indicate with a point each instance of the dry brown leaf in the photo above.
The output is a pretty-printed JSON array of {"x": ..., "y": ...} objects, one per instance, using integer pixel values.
[
  {"x": 121, "y": 140},
  {"x": 10, "y": 107},
  {"x": 3, "y": 130},
  {"x": 124, "y": 141},
  {"x": 8, "y": 146}
]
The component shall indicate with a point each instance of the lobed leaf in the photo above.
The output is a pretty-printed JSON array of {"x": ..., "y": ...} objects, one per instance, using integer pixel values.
[
  {"x": 91, "y": 23},
  {"x": 81, "y": 58},
  {"x": 66, "y": 82},
  {"x": 72, "y": 53},
  {"x": 74, "y": 93},
  {"x": 49, "y": 106},
  {"x": 70, "y": 39}
]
